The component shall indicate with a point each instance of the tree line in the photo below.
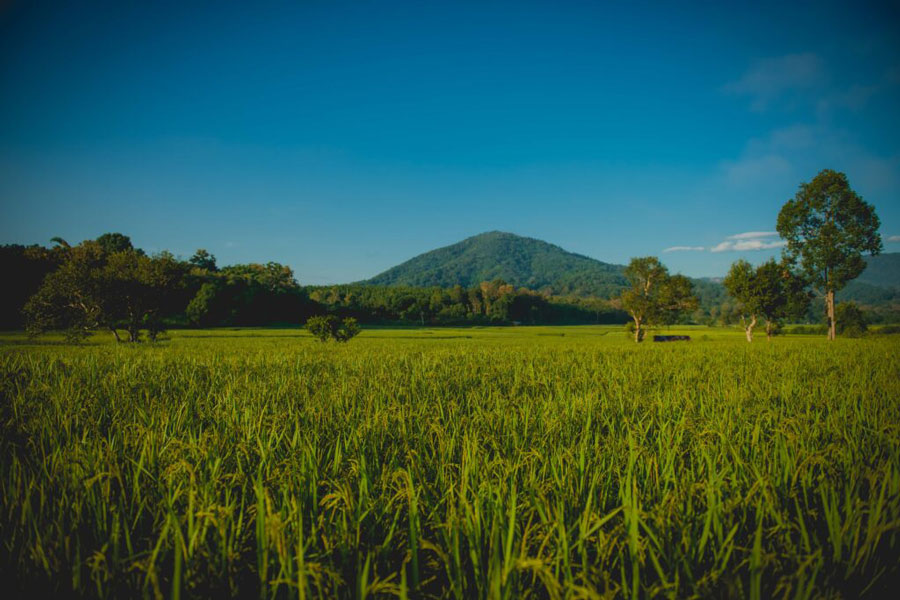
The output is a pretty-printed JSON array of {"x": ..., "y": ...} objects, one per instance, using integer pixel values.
[
  {"x": 490, "y": 302},
  {"x": 108, "y": 284}
]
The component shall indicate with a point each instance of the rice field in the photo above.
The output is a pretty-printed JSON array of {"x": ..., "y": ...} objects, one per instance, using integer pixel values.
[{"x": 529, "y": 462}]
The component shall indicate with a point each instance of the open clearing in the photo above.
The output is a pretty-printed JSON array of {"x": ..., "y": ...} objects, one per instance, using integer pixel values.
[{"x": 468, "y": 462}]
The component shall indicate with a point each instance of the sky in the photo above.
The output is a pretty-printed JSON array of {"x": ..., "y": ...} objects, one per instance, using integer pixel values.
[{"x": 342, "y": 138}]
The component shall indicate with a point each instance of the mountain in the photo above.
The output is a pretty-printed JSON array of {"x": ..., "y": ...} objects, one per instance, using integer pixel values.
[{"x": 520, "y": 261}]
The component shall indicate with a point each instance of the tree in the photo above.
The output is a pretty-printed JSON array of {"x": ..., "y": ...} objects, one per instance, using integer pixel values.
[
  {"x": 94, "y": 288},
  {"x": 71, "y": 298},
  {"x": 114, "y": 242},
  {"x": 828, "y": 228},
  {"x": 655, "y": 297},
  {"x": 851, "y": 320},
  {"x": 329, "y": 327},
  {"x": 204, "y": 260},
  {"x": 771, "y": 292}
]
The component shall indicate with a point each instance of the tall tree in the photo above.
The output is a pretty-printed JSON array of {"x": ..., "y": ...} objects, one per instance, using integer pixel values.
[
  {"x": 770, "y": 292},
  {"x": 655, "y": 297},
  {"x": 828, "y": 228}
]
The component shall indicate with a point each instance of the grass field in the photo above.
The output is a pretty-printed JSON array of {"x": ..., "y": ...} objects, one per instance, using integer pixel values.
[{"x": 562, "y": 462}]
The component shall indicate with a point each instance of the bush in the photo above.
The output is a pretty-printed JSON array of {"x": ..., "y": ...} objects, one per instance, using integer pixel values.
[
  {"x": 330, "y": 327},
  {"x": 851, "y": 322},
  {"x": 349, "y": 329}
]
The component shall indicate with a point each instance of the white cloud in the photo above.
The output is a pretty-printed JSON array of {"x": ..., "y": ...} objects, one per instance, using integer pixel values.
[
  {"x": 745, "y": 245},
  {"x": 758, "y": 244},
  {"x": 770, "y": 78},
  {"x": 751, "y": 235},
  {"x": 685, "y": 249},
  {"x": 741, "y": 242},
  {"x": 893, "y": 238}
]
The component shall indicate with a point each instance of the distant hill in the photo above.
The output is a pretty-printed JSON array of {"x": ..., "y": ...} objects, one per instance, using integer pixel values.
[
  {"x": 518, "y": 260},
  {"x": 882, "y": 271},
  {"x": 879, "y": 284}
]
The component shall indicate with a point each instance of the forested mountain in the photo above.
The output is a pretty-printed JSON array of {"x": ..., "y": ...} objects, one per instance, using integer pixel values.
[{"x": 517, "y": 260}]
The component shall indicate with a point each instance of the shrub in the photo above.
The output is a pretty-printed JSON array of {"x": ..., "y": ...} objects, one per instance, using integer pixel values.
[
  {"x": 329, "y": 327},
  {"x": 349, "y": 329},
  {"x": 851, "y": 322}
]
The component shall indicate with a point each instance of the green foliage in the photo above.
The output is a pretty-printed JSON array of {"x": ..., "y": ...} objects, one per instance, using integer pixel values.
[
  {"x": 330, "y": 328},
  {"x": 203, "y": 309},
  {"x": 469, "y": 463},
  {"x": 489, "y": 302},
  {"x": 828, "y": 228},
  {"x": 203, "y": 260},
  {"x": 770, "y": 292},
  {"x": 93, "y": 288},
  {"x": 655, "y": 297},
  {"x": 851, "y": 321},
  {"x": 111, "y": 243},
  {"x": 249, "y": 294}
]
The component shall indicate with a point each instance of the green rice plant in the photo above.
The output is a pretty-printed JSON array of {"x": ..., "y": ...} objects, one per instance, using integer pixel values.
[{"x": 484, "y": 463}]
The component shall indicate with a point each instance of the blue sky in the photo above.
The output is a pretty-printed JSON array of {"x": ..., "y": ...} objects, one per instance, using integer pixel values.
[{"x": 344, "y": 138}]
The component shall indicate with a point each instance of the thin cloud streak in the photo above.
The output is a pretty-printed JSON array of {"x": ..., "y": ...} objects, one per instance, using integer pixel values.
[
  {"x": 752, "y": 235},
  {"x": 741, "y": 242},
  {"x": 744, "y": 245},
  {"x": 893, "y": 238},
  {"x": 685, "y": 249}
]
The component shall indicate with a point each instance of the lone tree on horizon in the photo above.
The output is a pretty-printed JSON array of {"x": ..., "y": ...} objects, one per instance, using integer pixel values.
[
  {"x": 828, "y": 228},
  {"x": 655, "y": 297}
]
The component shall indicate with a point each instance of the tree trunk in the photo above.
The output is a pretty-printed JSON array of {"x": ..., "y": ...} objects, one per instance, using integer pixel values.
[
  {"x": 116, "y": 334},
  {"x": 748, "y": 329},
  {"x": 770, "y": 326},
  {"x": 638, "y": 334},
  {"x": 829, "y": 309}
]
